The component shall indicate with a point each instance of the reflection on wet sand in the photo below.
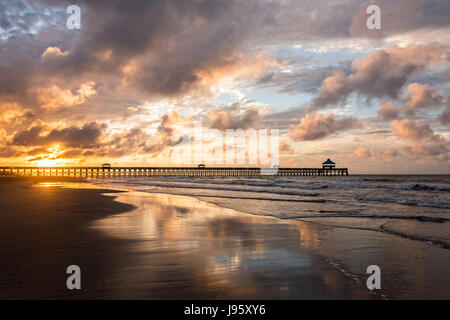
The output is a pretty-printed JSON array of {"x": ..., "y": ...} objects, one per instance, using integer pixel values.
[
  {"x": 160, "y": 246},
  {"x": 410, "y": 269},
  {"x": 181, "y": 247}
]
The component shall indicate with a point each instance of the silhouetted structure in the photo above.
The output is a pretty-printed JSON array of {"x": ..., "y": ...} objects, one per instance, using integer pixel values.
[
  {"x": 165, "y": 171},
  {"x": 328, "y": 164}
]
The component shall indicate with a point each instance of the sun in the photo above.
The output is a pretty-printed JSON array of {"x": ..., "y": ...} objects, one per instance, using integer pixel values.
[
  {"x": 50, "y": 163},
  {"x": 51, "y": 158}
]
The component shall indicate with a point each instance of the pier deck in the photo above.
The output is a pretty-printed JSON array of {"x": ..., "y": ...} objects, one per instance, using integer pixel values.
[{"x": 166, "y": 171}]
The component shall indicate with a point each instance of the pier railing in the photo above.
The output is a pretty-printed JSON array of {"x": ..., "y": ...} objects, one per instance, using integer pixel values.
[{"x": 164, "y": 171}]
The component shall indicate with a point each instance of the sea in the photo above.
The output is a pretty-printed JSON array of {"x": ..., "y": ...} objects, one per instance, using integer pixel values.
[{"x": 415, "y": 207}]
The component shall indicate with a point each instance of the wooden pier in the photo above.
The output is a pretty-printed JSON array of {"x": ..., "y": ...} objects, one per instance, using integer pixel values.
[{"x": 167, "y": 171}]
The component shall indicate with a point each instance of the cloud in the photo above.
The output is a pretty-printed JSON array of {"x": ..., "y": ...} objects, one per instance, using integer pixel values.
[
  {"x": 92, "y": 140},
  {"x": 440, "y": 150},
  {"x": 170, "y": 48},
  {"x": 290, "y": 163},
  {"x": 411, "y": 130},
  {"x": 157, "y": 49},
  {"x": 401, "y": 16},
  {"x": 137, "y": 140},
  {"x": 315, "y": 126},
  {"x": 362, "y": 152},
  {"x": 165, "y": 134},
  {"x": 166, "y": 55},
  {"x": 444, "y": 117},
  {"x": 53, "y": 52},
  {"x": 286, "y": 147},
  {"x": 425, "y": 141},
  {"x": 230, "y": 120},
  {"x": 12, "y": 115},
  {"x": 380, "y": 75},
  {"x": 7, "y": 152},
  {"x": 85, "y": 136},
  {"x": 421, "y": 97},
  {"x": 298, "y": 79},
  {"x": 53, "y": 97},
  {"x": 390, "y": 153},
  {"x": 377, "y": 136},
  {"x": 388, "y": 111}
]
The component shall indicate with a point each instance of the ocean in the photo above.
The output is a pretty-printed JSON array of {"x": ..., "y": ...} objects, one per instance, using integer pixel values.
[{"x": 415, "y": 207}]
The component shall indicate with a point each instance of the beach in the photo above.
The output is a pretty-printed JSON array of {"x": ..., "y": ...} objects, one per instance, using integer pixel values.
[{"x": 131, "y": 244}]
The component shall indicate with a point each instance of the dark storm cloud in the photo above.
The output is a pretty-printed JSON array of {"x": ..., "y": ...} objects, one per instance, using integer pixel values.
[
  {"x": 137, "y": 51},
  {"x": 133, "y": 141},
  {"x": 170, "y": 43},
  {"x": 90, "y": 140},
  {"x": 85, "y": 136}
]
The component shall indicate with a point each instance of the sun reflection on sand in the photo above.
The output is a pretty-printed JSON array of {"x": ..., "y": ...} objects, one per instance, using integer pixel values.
[
  {"x": 73, "y": 185},
  {"x": 212, "y": 249},
  {"x": 165, "y": 246},
  {"x": 181, "y": 246}
]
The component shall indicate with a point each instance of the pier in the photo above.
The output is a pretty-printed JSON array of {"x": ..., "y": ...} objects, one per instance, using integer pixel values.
[{"x": 167, "y": 171}]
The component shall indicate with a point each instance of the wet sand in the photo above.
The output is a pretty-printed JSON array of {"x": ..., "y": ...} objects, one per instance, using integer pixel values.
[
  {"x": 43, "y": 230},
  {"x": 135, "y": 245}
]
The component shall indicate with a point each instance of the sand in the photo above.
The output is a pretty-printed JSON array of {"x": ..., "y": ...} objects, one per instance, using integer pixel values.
[{"x": 134, "y": 245}]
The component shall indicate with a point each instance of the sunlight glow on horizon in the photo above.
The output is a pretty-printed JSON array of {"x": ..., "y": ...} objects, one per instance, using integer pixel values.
[{"x": 51, "y": 158}]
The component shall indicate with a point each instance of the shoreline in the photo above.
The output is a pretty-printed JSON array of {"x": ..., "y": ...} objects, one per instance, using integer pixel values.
[
  {"x": 160, "y": 246},
  {"x": 45, "y": 229},
  {"x": 412, "y": 269},
  {"x": 433, "y": 239},
  {"x": 229, "y": 255}
]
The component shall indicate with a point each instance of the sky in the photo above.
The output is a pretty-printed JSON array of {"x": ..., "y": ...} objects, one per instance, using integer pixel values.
[{"x": 128, "y": 86}]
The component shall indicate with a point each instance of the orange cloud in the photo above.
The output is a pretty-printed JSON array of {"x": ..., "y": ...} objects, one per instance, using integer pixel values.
[
  {"x": 285, "y": 147},
  {"x": 362, "y": 152},
  {"x": 411, "y": 130},
  {"x": 315, "y": 126},
  {"x": 390, "y": 153},
  {"x": 230, "y": 120},
  {"x": 425, "y": 141},
  {"x": 53, "y": 97},
  {"x": 381, "y": 74},
  {"x": 421, "y": 97},
  {"x": 53, "y": 52},
  {"x": 440, "y": 150},
  {"x": 388, "y": 111}
]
